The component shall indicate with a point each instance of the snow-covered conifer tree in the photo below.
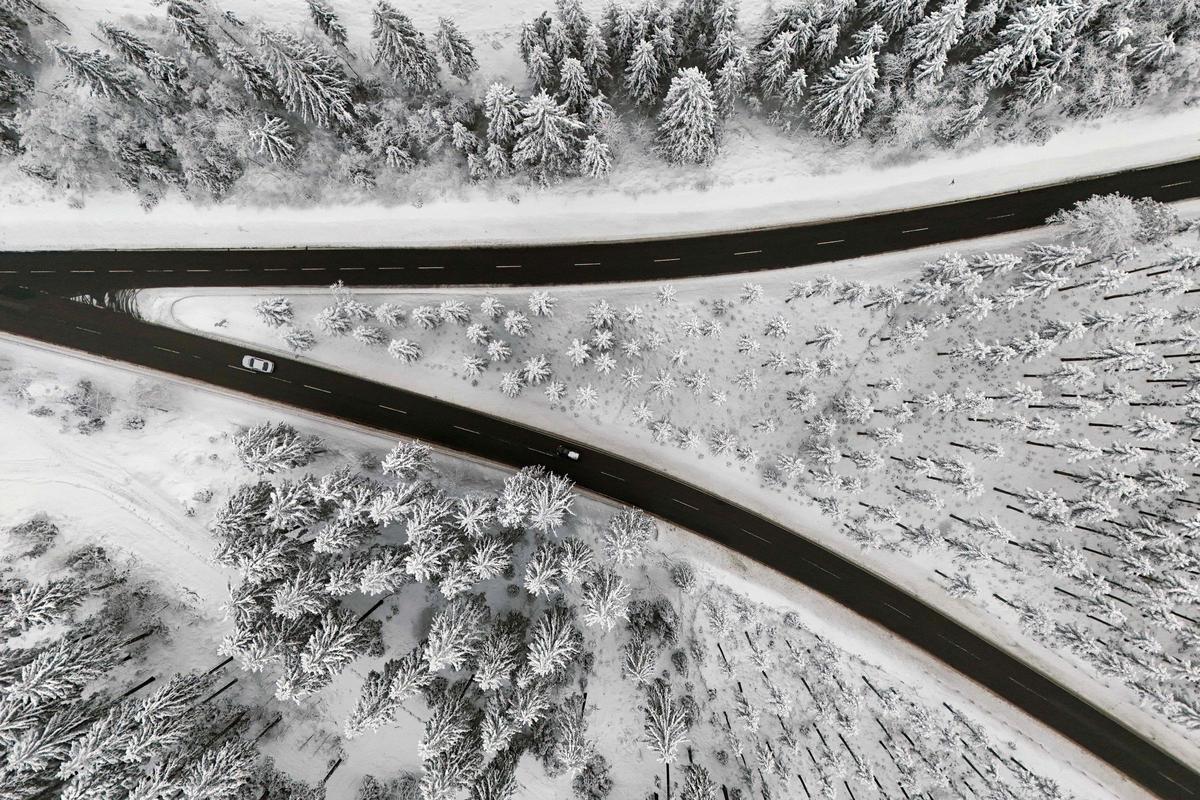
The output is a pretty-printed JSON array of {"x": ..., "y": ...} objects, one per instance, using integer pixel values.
[
  {"x": 309, "y": 80},
  {"x": 456, "y": 50},
  {"x": 629, "y": 532},
  {"x": 605, "y": 599},
  {"x": 554, "y": 642},
  {"x": 547, "y": 138},
  {"x": 666, "y": 722},
  {"x": 162, "y": 70},
  {"x": 455, "y": 632},
  {"x": 840, "y": 100},
  {"x": 596, "y": 159},
  {"x": 687, "y": 124},
  {"x": 273, "y": 447},
  {"x": 642, "y": 75},
  {"x": 97, "y": 72},
  {"x": 327, "y": 22},
  {"x": 401, "y": 48}
]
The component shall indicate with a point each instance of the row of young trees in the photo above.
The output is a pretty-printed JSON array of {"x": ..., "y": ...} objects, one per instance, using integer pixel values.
[
  {"x": 492, "y": 679},
  {"x": 1096, "y": 409},
  {"x": 201, "y": 96}
]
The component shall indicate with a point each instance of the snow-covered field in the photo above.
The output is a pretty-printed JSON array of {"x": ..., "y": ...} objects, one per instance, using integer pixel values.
[
  {"x": 140, "y": 489},
  {"x": 763, "y": 176},
  {"x": 732, "y": 444}
]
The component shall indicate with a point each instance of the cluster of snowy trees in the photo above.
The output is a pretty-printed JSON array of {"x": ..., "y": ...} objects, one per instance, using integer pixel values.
[
  {"x": 73, "y": 722},
  {"x": 1063, "y": 446},
  {"x": 308, "y": 546},
  {"x": 195, "y": 99}
]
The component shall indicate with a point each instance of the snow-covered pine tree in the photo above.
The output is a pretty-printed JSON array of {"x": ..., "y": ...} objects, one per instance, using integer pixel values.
[
  {"x": 162, "y": 70},
  {"x": 574, "y": 86},
  {"x": 497, "y": 657},
  {"x": 255, "y": 77},
  {"x": 554, "y": 642},
  {"x": 407, "y": 459},
  {"x": 309, "y": 80},
  {"x": 642, "y": 75},
  {"x": 39, "y": 604},
  {"x": 697, "y": 785},
  {"x": 187, "y": 20},
  {"x": 456, "y": 49},
  {"x": 687, "y": 123},
  {"x": 840, "y": 100},
  {"x": 502, "y": 108},
  {"x": 274, "y": 311},
  {"x": 666, "y": 722},
  {"x": 97, "y": 72},
  {"x": 220, "y": 771},
  {"x": 274, "y": 447},
  {"x": 605, "y": 599},
  {"x": 401, "y": 48},
  {"x": 455, "y": 632},
  {"x": 327, "y": 22},
  {"x": 629, "y": 532},
  {"x": 452, "y": 716},
  {"x": 928, "y": 42},
  {"x": 547, "y": 138},
  {"x": 596, "y": 159}
]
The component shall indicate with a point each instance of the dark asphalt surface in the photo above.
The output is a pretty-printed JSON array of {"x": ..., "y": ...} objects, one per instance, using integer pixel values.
[
  {"x": 302, "y": 385},
  {"x": 590, "y": 263}
]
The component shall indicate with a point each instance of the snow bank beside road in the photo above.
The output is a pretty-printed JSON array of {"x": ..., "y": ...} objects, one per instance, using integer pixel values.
[{"x": 755, "y": 183}]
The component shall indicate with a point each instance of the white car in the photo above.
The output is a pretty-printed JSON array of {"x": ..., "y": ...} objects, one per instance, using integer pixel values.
[
  {"x": 258, "y": 364},
  {"x": 566, "y": 452}
]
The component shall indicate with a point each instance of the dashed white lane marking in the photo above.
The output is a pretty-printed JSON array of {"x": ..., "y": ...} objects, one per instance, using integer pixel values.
[
  {"x": 383, "y": 269},
  {"x": 467, "y": 430},
  {"x": 275, "y": 269},
  {"x": 120, "y": 270},
  {"x": 8, "y": 272},
  {"x": 587, "y": 263},
  {"x": 82, "y": 270},
  {"x": 830, "y": 241},
  {"x": 1176, "y": 183},
  {"x": 543, "y": 452},
  {"x": 199, "y": 270},
  {"x": 689, "y": 505},
  {"x": 40, "y": 271},
  {"x": 756, "y": 536},
  {"x": 86, "y": 330},
  {"x": 915, "y": 230},
  {"x": 508, "y": 266},
  {"x": 614, "y": 477},
  {"x": 235, "y": 366},
  {"x": 281, "y": 380},
  {"x": 429, "y": 268},
  {"x": 1002, "y": 216},
  {"x": 747, "y": 252},
  {"x": 664, "y": 260},
  {"x": 317, "y": 389},
  {"x": 351, "y": 269},
  {"x": 237, "y": 269},
  {"x": 898, "y": 611},
  {"x": 397, "y": 410},
  {"x": 313, "y": 269},
  {"x": 166, "y": 349}
]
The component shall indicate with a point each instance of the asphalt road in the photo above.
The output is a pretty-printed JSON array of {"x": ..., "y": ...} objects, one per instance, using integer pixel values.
[
  {"x": 302, "y": 385},
  {"x": 768, "y": 248}
]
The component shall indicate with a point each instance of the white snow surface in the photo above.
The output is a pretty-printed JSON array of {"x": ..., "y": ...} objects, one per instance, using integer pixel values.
[{"x": 132, "y": 489}]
